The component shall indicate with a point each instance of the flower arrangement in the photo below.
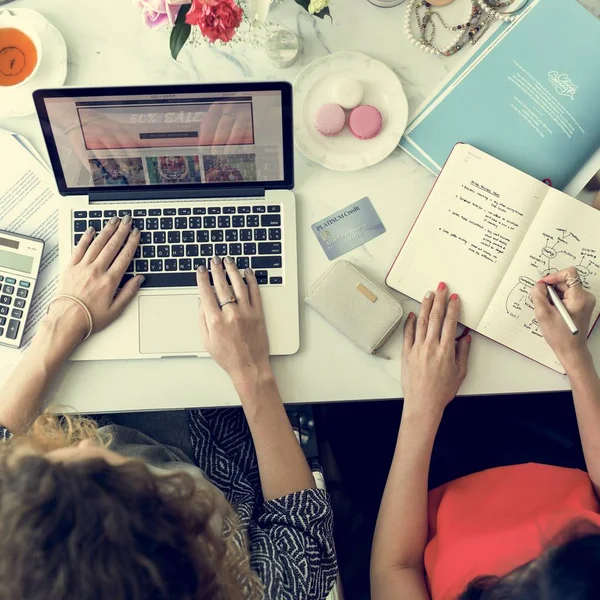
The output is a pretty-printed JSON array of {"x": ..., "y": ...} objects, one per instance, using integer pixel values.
[{"x": 216, "y": 20}]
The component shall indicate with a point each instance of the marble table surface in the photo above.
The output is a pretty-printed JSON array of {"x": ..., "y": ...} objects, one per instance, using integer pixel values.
[{"x": 108, "y": 45}]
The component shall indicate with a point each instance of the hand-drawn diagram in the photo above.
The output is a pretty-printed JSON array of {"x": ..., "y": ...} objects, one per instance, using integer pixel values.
[{"x": 561, "y": 249}]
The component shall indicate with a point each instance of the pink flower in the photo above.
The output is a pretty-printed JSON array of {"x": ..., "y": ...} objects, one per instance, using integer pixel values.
[
  {"x": 158, "y": 13},
  {"x": 217, "y": 19}
]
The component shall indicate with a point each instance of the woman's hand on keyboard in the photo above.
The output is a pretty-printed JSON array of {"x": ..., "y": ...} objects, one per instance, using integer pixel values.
[
  {"x": 235, "y": 334},
  {"x": 95, "y": 270},
  {"x": 571, "y": 350}
]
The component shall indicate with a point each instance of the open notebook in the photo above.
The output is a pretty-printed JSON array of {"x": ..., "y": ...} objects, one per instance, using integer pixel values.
[{"x": 490, "y": 232}]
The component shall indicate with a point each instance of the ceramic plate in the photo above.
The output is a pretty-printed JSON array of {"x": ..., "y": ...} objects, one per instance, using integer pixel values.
[
  {"x": 18, "y": 102},
  {"x": 314, "y": 87}
]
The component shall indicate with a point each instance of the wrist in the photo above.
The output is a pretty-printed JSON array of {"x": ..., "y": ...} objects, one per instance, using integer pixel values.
[
  {"x": 418, "y": 430},
  {"x": 577, "y": 362},
  {"x": 252, "y": 376},
  {"x": 580, "y": 366},
  {"x": 256, "y": 386},
  {"x": 425, "y": 416},
  {"x": 65, "y": 326},
  {"x": 423, "y": 409}
]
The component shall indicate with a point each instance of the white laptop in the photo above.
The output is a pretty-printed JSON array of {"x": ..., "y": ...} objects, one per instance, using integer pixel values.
[{"x": 204, "y": 170}]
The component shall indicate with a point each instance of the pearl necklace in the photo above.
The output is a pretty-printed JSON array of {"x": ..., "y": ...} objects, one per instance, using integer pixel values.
[{"x": 469, "y": 31}]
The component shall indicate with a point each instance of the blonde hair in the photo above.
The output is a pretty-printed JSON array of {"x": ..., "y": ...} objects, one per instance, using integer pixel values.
[{"x": 87, "y": 529}]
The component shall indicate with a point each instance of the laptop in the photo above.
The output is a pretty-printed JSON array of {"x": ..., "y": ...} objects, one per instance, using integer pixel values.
[{"x": 203, "y": 170}]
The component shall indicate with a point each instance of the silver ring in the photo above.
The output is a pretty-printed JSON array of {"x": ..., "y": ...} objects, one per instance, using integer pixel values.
[
  {"x": 229, "y": 300},
  {"x": 573, "y": 281}
]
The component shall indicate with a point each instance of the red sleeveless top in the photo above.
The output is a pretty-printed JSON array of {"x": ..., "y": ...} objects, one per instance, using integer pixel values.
[{"x": 491, "y": 522}]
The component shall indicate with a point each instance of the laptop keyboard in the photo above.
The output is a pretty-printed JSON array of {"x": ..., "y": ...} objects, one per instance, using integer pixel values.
[{"x": 175, "y": 241}]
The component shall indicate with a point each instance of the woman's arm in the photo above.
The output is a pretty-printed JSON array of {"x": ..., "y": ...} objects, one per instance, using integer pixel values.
[
  {"x": 236, "y": 337},
  {"x": 281, "y": 462},
  {"x": 22, "y": 395},
  {"x": 586, "y": 396},
  {"x": 401, "y": 534},
  {"x": 433, "y": 368},
  {"x": 95, "y": 270},
  {"x": 574, "y": 355}
]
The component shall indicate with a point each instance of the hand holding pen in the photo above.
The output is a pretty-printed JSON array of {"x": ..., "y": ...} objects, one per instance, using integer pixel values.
[{"x": 562, "y": 308}]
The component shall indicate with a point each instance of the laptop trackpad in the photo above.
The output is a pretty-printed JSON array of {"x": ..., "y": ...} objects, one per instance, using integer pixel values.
[{"x": 169, "y": 325}]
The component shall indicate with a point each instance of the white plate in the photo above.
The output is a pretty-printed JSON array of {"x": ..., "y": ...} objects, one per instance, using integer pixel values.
[
  {"x": 314, "y": 87},
  {"x": 52, "y": 72}
]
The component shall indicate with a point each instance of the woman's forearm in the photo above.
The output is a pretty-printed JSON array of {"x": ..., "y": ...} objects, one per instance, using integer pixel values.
[
  {"x": 586, "y": 396},
  {"x": 401, "y": 531},
  {"x": 22, "y": 396},
  {"x": 282, "y": 465}
]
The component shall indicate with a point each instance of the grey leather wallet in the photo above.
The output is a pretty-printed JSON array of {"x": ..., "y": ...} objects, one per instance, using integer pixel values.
[{"x": 356, "y": 306}]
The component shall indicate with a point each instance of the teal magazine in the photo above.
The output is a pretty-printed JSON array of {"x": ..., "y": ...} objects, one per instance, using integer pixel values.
[{"x": 528, "y": 96}]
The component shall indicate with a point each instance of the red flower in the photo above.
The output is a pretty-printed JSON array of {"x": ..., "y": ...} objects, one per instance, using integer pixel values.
[{"x": 217, "y": 19}]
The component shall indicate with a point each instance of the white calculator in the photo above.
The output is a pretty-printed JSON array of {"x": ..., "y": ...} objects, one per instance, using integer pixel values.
[{"x": 20, "y": 259}]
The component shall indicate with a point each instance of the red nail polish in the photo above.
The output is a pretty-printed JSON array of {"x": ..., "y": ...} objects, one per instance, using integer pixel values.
[
  {"x": 411, "y": 315},
  {"x": 441, "y": 286},
  {"x": 454, "y": 297}
]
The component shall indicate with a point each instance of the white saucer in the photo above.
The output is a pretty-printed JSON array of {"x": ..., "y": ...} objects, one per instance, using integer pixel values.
[
  {"x": 52, "y": 72},
  {"x": 314, "y": 87}
]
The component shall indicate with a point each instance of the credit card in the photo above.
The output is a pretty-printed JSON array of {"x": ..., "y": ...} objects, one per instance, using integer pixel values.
[{"x": 348, "y": 228}]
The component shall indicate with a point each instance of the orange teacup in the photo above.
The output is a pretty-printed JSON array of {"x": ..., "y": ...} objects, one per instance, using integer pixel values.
[{"x": 19, "y": 52}]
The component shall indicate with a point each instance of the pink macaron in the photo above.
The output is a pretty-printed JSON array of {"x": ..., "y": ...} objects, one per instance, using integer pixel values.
[
  {"x": 330, "y": 119},
  {"x": 365, "y": 122}
]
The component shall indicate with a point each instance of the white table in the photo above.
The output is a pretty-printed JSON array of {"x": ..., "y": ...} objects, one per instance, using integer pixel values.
[{"x": 108, "y": 45}]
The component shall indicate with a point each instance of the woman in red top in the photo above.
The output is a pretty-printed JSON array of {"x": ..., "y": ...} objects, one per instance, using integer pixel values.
[{"x": 520, "y": 532}]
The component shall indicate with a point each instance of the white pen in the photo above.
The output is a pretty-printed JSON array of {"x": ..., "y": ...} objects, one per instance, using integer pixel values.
[{"x": 564, "y": 313}]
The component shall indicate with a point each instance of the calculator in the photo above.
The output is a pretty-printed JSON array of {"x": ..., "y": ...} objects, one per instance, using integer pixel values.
[{"x": 20, "y": 258}]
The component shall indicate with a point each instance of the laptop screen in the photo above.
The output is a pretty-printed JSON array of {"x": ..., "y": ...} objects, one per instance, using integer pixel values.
[{"x": 186, "y": 136}]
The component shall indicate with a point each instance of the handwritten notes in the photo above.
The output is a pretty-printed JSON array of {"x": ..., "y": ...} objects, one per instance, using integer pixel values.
[
  {"x": 468, "y": 231},
  {"x": 564, "y": 233},
  {"x": 490, "y": 232},
  {"x": 485, "y": 222}
]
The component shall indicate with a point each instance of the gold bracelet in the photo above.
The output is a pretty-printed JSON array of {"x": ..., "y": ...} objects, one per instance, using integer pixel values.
[{"x": 81, "y": 305}]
